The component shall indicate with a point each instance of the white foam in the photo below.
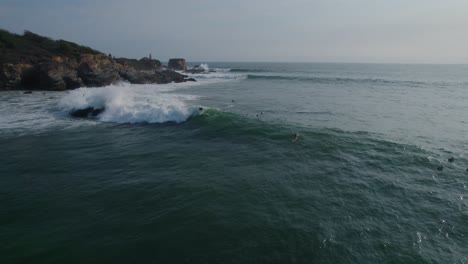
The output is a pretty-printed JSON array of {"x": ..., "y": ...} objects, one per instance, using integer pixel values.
[
  {"x": 126, "y": 103},
  {"x": 18, "y": 110},
  {"x": 204, "y": 66},
  {"x": 214, "y": 77}
]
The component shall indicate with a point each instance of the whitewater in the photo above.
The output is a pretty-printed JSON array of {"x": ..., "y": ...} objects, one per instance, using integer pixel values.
[{"x": 123, "y": 103}]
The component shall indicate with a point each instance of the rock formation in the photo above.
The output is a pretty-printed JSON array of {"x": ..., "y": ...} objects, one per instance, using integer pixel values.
[
  {"x": 87, "y": 112},
  {"x": 144, "y": 64},
  {"x": 177, "y": 64},
  {"x": 33, "y": 62}
]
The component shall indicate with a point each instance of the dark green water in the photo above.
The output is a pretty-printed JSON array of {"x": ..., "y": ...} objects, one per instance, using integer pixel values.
[{"x": 228, "y": 186}]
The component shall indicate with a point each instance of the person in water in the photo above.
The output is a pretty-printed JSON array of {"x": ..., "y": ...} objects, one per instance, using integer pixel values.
[{"x": 295, "y": 137}]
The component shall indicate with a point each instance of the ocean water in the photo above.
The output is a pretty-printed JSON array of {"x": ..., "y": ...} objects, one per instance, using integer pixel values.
[{"x": 155, "y": 180}]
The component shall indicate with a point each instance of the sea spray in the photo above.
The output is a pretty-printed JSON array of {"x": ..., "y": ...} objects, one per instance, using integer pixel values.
[
  {"x": 125, "y": 103},
  {"x": 204, "y": 66}
]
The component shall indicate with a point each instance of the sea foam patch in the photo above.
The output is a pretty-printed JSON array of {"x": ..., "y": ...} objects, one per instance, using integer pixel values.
[{"x": 214, "y": 75}]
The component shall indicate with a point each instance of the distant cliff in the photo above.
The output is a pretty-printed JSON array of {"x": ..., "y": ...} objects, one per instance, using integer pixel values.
[{"x": 31, "y": 61}]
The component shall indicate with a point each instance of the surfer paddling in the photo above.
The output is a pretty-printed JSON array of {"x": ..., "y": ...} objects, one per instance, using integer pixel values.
[{"x": 295, "y": 137}]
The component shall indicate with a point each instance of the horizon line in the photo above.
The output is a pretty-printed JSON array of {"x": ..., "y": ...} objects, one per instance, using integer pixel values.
[{"x": 333, "y": 62}]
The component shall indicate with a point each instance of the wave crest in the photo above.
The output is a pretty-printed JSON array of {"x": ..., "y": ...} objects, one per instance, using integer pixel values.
[{"x": 127, "y": 103}]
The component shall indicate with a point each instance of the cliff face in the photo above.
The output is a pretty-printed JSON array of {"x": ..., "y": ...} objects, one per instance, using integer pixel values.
[{"x": 31, "y": 61}]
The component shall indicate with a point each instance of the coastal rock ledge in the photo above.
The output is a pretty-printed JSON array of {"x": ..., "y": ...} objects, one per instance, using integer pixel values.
[
  {"x": 30, "y": 62},
  {"x": 177, "y": 64}
]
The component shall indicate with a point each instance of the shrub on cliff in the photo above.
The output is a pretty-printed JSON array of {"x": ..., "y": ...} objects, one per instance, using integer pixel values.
[{"x": 31, "y": 47}]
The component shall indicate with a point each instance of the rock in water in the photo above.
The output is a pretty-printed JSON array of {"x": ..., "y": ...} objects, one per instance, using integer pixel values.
[
  {"x": 177, "y": 64},
  {"x": 87, "y": 112},
  {"x": 142, "y": 77}
]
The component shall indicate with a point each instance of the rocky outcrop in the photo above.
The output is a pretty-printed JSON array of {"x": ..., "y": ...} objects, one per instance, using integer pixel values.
[
  {"x": 144, "y": 64},
  {"x": 98, "y": 70},
  {"x": 177, "y": 64},
  {"x": 52, "y": 75},
  {"x": 89, "y": 70},
  {"x": 11, "y": 75},
  {"x": 87, "y": 112},
  {"x": 34, "y": 62},
  {"x": 142, "y": 77}
]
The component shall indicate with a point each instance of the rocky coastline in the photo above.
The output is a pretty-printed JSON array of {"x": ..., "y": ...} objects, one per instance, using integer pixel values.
[{"x": 34, "y": 62}]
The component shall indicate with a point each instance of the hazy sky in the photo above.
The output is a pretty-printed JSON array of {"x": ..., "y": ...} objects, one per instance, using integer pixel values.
[{"x": 406, "y": 31}]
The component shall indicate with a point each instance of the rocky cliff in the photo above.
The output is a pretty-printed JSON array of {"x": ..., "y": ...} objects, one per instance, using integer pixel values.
[
  {"x": 30, "y": 61},
  {"x": 177, "y": 64}
]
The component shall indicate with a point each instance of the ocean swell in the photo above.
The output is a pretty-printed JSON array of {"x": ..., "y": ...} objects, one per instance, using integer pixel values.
[
  {"x": 247, "y": 70},
  {"x": 337, "y": 80}
]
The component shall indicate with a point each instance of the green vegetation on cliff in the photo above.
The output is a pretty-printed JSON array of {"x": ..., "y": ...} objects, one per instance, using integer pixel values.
[
  {"x": 31, "y": 61},
  {"x": 33, "y": 48}
]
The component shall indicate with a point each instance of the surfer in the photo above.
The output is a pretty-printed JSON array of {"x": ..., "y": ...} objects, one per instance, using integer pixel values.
[
  {"x": 295, "y": 137},
  {"x": 451, "y": 159}
]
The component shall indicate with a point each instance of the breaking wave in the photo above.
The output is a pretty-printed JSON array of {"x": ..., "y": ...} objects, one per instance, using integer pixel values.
[
  {"x": 125, "y": 103},
  {"x": 204, "y": 66}
]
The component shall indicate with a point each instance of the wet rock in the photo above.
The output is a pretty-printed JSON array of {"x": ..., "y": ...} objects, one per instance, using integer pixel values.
[
  {"x": 87, "y": 112},
  {"x": 171, "y": 76},
  {"x": 142, "y": 77},
  {"x": 197, "y": 70}
]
